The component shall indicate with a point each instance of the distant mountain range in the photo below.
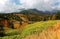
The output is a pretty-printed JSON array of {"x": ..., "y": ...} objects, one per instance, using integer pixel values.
[
  {"x": 36, "y": 15},
  {"x": 28, "y": 11},
  {"x": 36, "y": 12}
]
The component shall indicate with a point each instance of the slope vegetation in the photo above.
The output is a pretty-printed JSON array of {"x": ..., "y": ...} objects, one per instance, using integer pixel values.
[
  {"x": 35, "y": 30},
  {"x": 51, "y": 33},
  {"x": 38, "y": 30}
]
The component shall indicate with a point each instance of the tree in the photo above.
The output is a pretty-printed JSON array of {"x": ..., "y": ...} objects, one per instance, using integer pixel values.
[
  {"x": 58, "y": 16},
  {"x": 4, "y": 21},
  {"x": 2, "y": 33}
]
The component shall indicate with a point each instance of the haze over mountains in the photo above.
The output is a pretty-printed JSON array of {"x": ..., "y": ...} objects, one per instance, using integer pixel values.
[{"x": 32, "y": 10}]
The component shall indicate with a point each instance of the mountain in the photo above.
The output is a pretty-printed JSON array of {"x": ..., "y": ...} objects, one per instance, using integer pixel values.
[
  {"x": 35, "y": 15},
  {"x": 35, "y": 12}
]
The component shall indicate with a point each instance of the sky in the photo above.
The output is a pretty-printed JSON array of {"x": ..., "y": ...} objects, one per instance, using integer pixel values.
[{"x": 7, "y": 6}]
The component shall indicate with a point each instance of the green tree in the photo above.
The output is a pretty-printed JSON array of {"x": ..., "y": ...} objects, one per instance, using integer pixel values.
[{"x": 58, "y": 16}]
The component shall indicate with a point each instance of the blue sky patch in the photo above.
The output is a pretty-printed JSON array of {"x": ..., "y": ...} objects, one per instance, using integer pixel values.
[
  {"x": 16, "y": 1},
  {"x": 57, "y": 3}
]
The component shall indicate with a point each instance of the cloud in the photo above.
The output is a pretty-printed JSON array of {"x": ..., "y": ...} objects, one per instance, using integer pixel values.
[
  {"x": 42, "y": 4},
  {"x": 2, "y": 4},
  {"x": 16, "y": 5},
  {"x": 9, "y": 6}
]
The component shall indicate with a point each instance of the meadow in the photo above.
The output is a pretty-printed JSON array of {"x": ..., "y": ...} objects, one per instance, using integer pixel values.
[{"x": 30, "y": 29}]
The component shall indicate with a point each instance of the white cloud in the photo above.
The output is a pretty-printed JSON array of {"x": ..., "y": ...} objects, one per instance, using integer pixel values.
[
  {"x": 41, "y": 4},
  {"x": 28, "y": 3},
  {"x": 2, "y": 1},
  {"x": 2, "y": 4},
  {"x": 8, "y": 6}
]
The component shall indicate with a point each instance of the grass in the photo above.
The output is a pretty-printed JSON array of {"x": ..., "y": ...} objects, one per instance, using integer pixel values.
[
  {"x": 37, "y": 28},
  {"x": 29, "y": 30}
]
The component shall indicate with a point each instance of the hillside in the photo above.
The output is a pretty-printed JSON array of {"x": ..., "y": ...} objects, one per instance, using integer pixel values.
[
  {"x": 51, "y": 33},
  {"x": 36, "y": 15},
  {"x": 44, "y": 28},
  {"x": 36, "y": 29}
]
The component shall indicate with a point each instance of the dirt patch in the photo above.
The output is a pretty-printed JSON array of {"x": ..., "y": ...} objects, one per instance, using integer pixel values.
[{"x": 51, "y": 33}]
